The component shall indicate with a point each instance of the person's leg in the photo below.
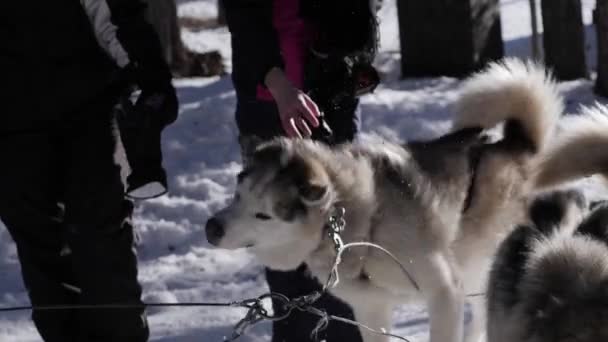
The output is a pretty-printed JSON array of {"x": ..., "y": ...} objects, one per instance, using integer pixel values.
[
  {"x": 100, "y": 235},
  {"x": 261, "y": 120},
  {"x": 31, "y": 179},
  {"x": 258, "y": 118},
  {"x": 299, "y": 325}
]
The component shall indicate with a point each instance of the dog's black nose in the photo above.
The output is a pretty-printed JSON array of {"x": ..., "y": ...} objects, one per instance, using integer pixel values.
[{"x": 214, "y": 230}]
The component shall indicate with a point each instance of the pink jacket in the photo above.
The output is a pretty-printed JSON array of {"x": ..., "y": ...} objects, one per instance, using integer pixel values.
[{"x": 294, "y": 37}]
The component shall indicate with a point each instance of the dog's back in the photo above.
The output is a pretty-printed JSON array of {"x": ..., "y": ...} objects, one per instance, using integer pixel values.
[{"x": 548, "y": 282}]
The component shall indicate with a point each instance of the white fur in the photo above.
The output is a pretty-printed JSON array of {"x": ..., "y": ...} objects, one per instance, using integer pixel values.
[
  {"x": 511, "y": 89},
  {"x": 581, "y": 150}
]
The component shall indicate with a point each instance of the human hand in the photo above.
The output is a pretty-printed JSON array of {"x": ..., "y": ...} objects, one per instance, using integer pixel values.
[
  {"x": 296, "y": 109},
  {"x": 161, "y": 106},
  {"x": 158, "y": 98}
]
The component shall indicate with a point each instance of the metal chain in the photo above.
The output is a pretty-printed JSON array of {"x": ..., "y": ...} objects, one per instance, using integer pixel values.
[
  {"x": 256, "y": 312},
  {"x": 336, "y": 224}
]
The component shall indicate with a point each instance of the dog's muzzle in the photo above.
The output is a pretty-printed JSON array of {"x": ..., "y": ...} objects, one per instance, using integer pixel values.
[{"x": 215, "y": 231}]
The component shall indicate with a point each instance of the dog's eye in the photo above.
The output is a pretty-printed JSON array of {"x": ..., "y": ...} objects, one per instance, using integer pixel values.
[{"x": 262, "y": 216}]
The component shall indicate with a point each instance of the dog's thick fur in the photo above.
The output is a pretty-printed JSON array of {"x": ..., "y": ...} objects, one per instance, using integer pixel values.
[
  {"x": 441, "y": 206},
  {"x": 549, "y": 280},
  {"x": 579, "y": 151}
]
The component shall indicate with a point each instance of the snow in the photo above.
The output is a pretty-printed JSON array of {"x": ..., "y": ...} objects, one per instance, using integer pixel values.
[{"x": 202, "y": 159}]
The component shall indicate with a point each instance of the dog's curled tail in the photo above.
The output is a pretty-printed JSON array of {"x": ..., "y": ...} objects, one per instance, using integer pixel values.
[
  {"x": 521, "y": 94},
  {"x": 581, "y": 150}
]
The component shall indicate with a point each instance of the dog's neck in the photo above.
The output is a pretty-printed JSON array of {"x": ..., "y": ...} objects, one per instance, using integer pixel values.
[{"x": 288, "y": 256}]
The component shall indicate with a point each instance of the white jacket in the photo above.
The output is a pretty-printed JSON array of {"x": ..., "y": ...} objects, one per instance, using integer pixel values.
[{"x": 100, "y": 17}]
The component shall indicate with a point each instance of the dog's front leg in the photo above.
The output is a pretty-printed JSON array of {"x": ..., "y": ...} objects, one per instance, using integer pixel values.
[
  {"x": 445, "y": 299},
  {"x": 476, "y": 329},
  {"x": 376, "y": 314},
  {"x": 371, "y": 306}
]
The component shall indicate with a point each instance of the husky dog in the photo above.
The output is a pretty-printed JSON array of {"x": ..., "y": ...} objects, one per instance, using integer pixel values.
[
  {"x": 549, "y": 280},
  {"x": 441, "y": 206}
]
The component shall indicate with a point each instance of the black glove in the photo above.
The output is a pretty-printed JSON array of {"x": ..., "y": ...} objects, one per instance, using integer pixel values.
[
  {"x": 323, "y": 132},
  {"x": 140, "y": 127}
]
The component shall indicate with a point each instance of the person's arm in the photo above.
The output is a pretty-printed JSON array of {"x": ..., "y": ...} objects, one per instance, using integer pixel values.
[
  {"x": 257, "y": 56},
  {"x": 141, "y": 43},
  {"x": 296, "y": 109},
  {"x": 105, "y": 31},
  {"x": 122, "y": 31}
]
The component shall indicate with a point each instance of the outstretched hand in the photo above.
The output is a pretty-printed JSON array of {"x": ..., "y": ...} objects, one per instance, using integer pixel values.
[{"x": 298, "y": 112}]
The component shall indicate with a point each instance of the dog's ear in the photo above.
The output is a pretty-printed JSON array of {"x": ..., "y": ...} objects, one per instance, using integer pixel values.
[
  {"x": 552, "y": 210},
  {"x": 249, "y": 144},
  {"x": 313, "y": 193},
  {"x": 313, "y": 182},
  {"x": 595, "y": 225}
]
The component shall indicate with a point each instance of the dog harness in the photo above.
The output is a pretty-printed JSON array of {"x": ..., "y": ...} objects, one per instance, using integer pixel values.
[{"x": 475, "y": 153}]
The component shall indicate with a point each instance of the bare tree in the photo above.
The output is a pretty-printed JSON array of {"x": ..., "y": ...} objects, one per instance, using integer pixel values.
[
  {"x": 536, "y": 53},
  {"x": 441, "y": 37},
  {"x": 601, "y": 26},
  {"x": 564, "y": 38}
]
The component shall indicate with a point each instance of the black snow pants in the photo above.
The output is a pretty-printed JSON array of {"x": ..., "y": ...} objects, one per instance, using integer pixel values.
[
  {"x": 262, "y": 119},
  {"x": 61, "y": 198}
]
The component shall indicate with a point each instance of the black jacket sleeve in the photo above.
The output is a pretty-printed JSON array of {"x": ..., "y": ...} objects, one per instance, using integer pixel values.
[
  {"x": 141, "y": 43},
  {"x": 255, "y": 46}
]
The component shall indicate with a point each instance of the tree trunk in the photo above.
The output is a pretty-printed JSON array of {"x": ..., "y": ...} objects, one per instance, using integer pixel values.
[
  {"x": 564, "y": 38},
  {"x": 452, "y": 38},
  {"x": 536, "y": 55},
  {"x": 601, "y": 26},
  {"x": 162, "y": 14},
  {"x": 221, "y": 13}
]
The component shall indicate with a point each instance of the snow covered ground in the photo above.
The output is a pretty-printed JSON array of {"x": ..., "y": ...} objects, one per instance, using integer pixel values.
[{"x": 176, "y": 263}]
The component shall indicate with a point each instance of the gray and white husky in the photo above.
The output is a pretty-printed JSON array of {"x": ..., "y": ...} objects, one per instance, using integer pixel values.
[
  {"x": 549, "y": 281},
  {"x": 441, "y": 206}
]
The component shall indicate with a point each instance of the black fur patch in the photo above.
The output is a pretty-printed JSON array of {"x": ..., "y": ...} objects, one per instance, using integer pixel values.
[
  {"x": 462, "y": 137},
  {"x": 509, "y": 266},
  {"x": 269, "y": 154},
  {"x": 288, "y": 211},
  {"x": 241, "y": 176},
  {"x": 516, "y": 138},
  {"x": 596, "y": 224},
  {"x": 596, "y": 204},
  {"x": 475, "y": 156},
  {"x": 460, "y": 140},
  {"x": 303, "y": 175},
  {"x": 469, "y": 142},
  {"x": 548, "y": 211},
  {"x": 436, "y": 156},
  {"x": 393, "y": 173},
  {"x": 296, "y": 175}
]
